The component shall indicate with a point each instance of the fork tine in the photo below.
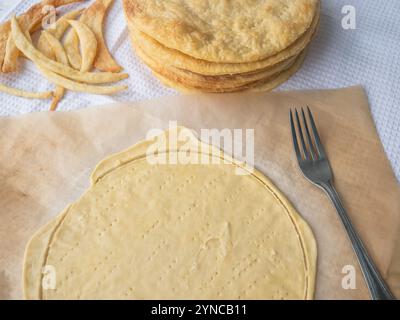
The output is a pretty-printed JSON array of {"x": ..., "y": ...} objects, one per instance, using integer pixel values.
[
  {"x": 318, "y": 143},
  {"x": 305, "y": 151},
  {"x": 294, "y": 138},
  {"x": 309, "y": 139}
]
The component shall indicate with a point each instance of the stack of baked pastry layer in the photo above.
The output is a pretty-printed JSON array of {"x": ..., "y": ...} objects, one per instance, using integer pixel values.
[{"x": 224, "y": 45}]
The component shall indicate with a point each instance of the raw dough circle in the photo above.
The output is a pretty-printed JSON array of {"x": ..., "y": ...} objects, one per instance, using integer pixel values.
[{"x": 166, "y": 231}]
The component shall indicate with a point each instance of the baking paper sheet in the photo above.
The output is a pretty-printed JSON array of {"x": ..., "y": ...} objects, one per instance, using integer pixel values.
[{"x": 46, "y": 159}]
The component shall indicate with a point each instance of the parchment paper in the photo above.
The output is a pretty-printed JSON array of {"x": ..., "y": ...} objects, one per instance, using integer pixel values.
[{"x": 46, "y": 159}]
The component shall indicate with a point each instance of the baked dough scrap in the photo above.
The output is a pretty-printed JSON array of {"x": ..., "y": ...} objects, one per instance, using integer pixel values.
[
  {"x": 175, "y": 231},
  {"x": 30, "y": 21},
  {"x": 223, "y": 31}
]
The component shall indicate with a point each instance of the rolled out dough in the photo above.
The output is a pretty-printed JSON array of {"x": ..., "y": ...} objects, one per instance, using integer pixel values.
[{"x": 174, "y": 231}]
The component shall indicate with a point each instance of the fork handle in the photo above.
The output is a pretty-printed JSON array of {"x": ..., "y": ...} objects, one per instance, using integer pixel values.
[{"x": 376, "y": 285}]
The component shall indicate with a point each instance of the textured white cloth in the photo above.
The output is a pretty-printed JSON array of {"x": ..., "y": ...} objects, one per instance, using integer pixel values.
[{"x": 368, "y": 56}]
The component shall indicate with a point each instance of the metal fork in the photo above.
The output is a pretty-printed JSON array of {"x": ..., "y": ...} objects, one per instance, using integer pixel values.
[{"x": 315, "y": 166}]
